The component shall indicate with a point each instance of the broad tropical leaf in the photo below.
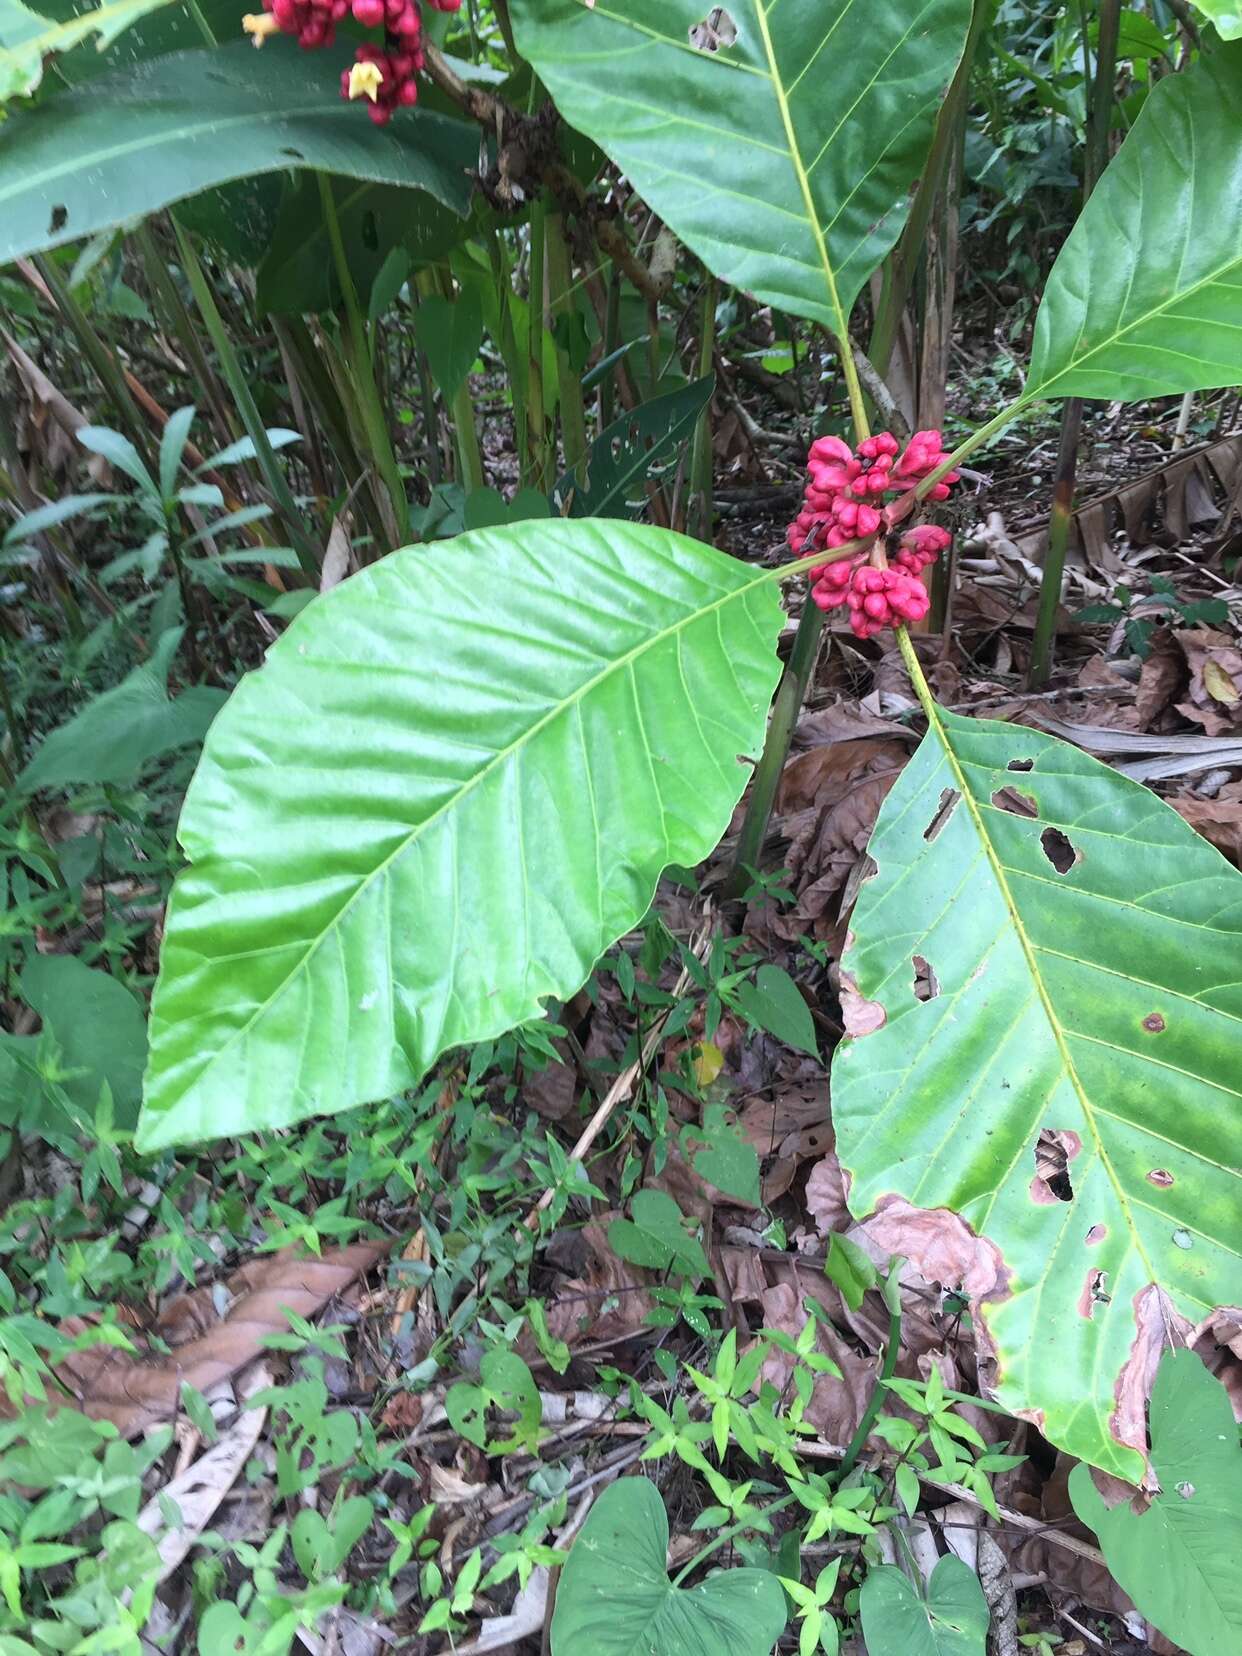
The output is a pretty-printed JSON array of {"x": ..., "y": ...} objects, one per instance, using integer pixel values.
[
  {"x": 1226, "y": 14},
  {"x": 1047, "y": 960},
  {"x": 453, "y": 784},
  {"x": 780, "y": 145},
  {"x": 26, "y": 37},
  {"x": 141, "y": 137},
  {"x": 615, "y": 1597},
  {"x": 1178, "y": 1560},
  {"x": 1145, "y": 297}
]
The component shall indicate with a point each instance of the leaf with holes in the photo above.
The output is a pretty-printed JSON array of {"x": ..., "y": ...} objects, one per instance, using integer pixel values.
[
  {"x": 621, "y": 457},
  {"x": 780, "y": 145},
  {"x": 1145, "y": 296},
  {"x": 1055, "y": 1126},
  {"x": 1178, "y": 1559},
  {"x": 454, "y": 783},
  {"x": 154, "y": 132},
  {"x": 615, "y": 1597}
]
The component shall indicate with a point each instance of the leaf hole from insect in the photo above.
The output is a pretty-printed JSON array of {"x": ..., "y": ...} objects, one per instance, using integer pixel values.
[
  {"x": 926, "y": 983},
  {"x": 58, "y": 220},
  {"x": 1094, "y": 1292},
  {"x": 1021, "y": 764},
  {"x": 1096, "y": 1235},
  {"x": 712, "y": 32},
  {"x": 293, "y": 154},
  {"x": 948, "y": 803},
  {"x": 1160, "y": 1177},
  {"x": 1054, "y": 1151},
  {"x": 1058, "y": 850},
  {"x": 1015, "y": 802}
]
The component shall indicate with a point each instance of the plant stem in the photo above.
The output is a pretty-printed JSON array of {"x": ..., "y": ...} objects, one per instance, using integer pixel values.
[
  {"x": 1061, "y": 515},
  {"x": 569, "y": 381},
  {"x": 726, "y": 1535},
  {"x": 701, "y": 458},
  {"x": 467, "y": 438},
  {"x": 362, "y": 369},
  {"x": 536, "y": 458},
  {"x": 182, "y": 327},
  {"x": 893, "y": 1344},
  {"x": 230, "y": 364}
]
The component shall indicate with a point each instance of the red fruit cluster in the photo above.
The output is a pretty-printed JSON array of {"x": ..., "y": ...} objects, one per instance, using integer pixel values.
[
  {"x": 845, "y": 487},
  {"x": 876, "y": 598},
  {"x": 383, "y": 75}
]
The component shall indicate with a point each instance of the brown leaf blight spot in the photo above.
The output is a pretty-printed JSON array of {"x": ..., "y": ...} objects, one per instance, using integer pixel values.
[
  {"x": 1096, "y": 1235},
  {"x": 1159, "y": 1327},
  {"x": 1094, "y": 1292},
  {"x": 1161, "y": 1177},
  {"x": 944, "y": 810},
  {"x": 942, "y": 1246},
  {"x": 1054, "y": 1151},
  {"x": 1154, "y": 1024},
  {"x": 859, "y": 1015}
]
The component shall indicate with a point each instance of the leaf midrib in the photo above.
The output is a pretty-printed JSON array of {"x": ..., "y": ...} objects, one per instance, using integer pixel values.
[
  {"x": 618, "y": 664},
  {"x": 968, "y": 799}
]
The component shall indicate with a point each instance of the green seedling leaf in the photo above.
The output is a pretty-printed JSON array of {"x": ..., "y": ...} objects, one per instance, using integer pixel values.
[
  {"x": 951, "y": 1621},
  {"x": 450, "y": 331},
  {"x": 615, "y": 1597},
  {"x": 1178, "y": 1560},
  {"x": 774, "y": 1002},
  {"x": 727, "y": 1160},
  {"x": 1143, "y": 298},
  {"x": 738, "y": 137},
  {"x": 622, "y": 456},
  {"x": 394, "y": 851},
  {"x": 656, "y": 1236},
  {"x": 99, "y": 1029},
  {"x": 1060, "y": 1116},
  {"x": 850, "y": 1268}
]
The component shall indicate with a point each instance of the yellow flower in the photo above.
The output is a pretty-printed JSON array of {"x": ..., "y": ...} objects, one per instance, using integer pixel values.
[
  {"x": 258, "y": 25},
  {"x": 365, "y": 80}
]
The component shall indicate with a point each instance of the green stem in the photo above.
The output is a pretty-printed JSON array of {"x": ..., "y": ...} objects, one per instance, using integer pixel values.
[
  {"x": 701, "y": 459},
  {"x": 362, "y": 369},
  {"x": 534, "y": 353},
  {"x": 569, "y": 382},
  {"x": 182, "y": 327},
  {"x": 514, "y": 366},
  {"x": 879, "y": 1391},
  {"x": 726, "y": 1535},
  {"x": 234, "y": 374},
  {"x": 467, "y": 438}
]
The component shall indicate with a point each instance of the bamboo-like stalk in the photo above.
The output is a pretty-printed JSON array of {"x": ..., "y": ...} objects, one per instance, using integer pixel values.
[
  {"x": 1061, "y": 515},
  {"x": 536, "y": 457},
  {"x": 569, "y": 381},
  {"x": 701, "y": 459}
]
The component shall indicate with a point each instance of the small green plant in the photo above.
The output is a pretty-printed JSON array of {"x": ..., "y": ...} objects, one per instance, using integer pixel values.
[{"x": 1142, "y": 613}]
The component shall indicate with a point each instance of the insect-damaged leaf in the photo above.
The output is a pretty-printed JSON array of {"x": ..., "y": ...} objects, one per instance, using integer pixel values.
[{"x": 1061, "y": 1071}]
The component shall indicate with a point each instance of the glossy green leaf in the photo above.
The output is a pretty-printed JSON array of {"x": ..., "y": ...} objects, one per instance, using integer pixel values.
[
  {"x": 1070, "y": 1089},
  {"x": 27, "y": 38},
  {"x": 727, "y": 1159},
  {"x": 615, "y": 1597},
  {"x": 139, "y": 138},
  {"x": 99, "y": 1030},
  {"x": 115, "y": 735},
  {"x": 454, "y": 783},
  {"x": 1145, "y": 296},
  {"x": 655, "y": 1236},
  {"x": 1179, "y": 1559},
  {"x": 951, "y": 1621},
  {"x": 1226, "y": 14},
  {"x": 774, "y": 1002},
  {"x": 622, "y": 456},
  {"x": 782, "y": 157}
]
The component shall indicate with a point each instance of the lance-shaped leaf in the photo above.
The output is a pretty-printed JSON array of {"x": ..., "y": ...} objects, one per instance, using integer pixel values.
[
  {"x": 1046, "y": 1106},
  {"x": 779, "y": 142},
  {"x": 26, "y": 37},
  {"x": 453, "y": 784},
  {"x": 1145, "y": 298},
  {"x": 154, "y": 132}
]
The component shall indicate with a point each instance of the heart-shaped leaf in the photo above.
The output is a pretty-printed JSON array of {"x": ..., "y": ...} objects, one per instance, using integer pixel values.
[
  {"x": 1179, "y": 1559},
  {"x": 615, "y": 1597},
  {"x": 1143, "y": 300},
  {"x": 1056, "y": 1129},
  {"x": 656, "y": 1236},
  {"x": 454, "y": 783},
  {"x": 951, "y": 1621},
  {"x": 779, "y": 143}
]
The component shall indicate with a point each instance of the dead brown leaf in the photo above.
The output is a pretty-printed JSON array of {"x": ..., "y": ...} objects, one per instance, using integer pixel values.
[
  {"x": 1215, "y": 693},
  {"x": 825, "y": 1196},
  {"x": 608, "y": 1301},
  {"x": 134, "y": 1392},
  {"x": 1219, "y": 820}
]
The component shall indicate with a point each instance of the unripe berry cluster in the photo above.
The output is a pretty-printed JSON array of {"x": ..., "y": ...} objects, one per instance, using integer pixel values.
[{"x": 383, "y": 75}]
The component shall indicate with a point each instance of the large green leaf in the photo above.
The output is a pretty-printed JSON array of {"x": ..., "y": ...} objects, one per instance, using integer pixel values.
[
  {"x": 1226, "y": 14},
  {"x": 1054, "y": 1077},
  {"x": 26, "y": 37},
  {"x": 453, "y": 784},
  {"x": 1179, "y": 1560},
  {"x": 952, "y": 1620},
  {"x": 99, "y": 1029},
  {"x": 1145, "y": 298},
  {"x": 147, "y": 135},
  {"x": 783, "y": 159},
  {"x": 615, "y": 1597}
]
